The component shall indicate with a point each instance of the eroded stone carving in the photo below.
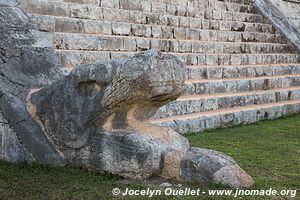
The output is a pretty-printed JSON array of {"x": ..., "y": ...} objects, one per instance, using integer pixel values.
[
  {"x": 96, "y": 116},
  {"x": 117, "y": 95}
]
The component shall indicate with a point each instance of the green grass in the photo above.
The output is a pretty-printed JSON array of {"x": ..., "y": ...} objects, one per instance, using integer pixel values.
[{"x": 269, "y": 151}]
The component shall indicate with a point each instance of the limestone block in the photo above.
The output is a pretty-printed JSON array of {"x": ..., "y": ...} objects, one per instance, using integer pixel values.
[
  {"x": 184, "y": 22},
  {"x": 121, "y": 29},
  {"x": 204, "y": 35},
  {"x": 227, "y": 15},
  {"x": 205, "y": 24},
  {"x": 174, "y": 46},
  {"x": 208, "y": 47},
  {"x": 184, "y": 46},
  {"x": 145, "y": 5},
  {"x": 158, "y": 8},
  {"x": 88, "y": 57},
  {"x": 197, "y": 47},
  {"x": 69, "y": 26},
  {"x": 214, "y": 25},
  {"x": 217, "y": 14},
  {"x": 130, "y": 44},
  {"x": 97, "y": 27},
  {"x": 224, "y": 59},
  {"x": 192, "y": 34},
  {"x": 224, "y": 26},
  {"x": 182, "y": 9},
  {"x": 162, "y": 20},
  {"x": 110, "y": 3},
  {"x": 220, "y": 5},
  {"x": 138, "y": 17},
  {"x": 156, "y": 31},
  {"x": 56, "y": 9},
  {"x": 42, "y": 23},
  {"x": 218, "y": 47},
  {"x": 141, "y": 30},
  {"x": 69, "y": 60},
  {"x": 235, "y": 59},
  {"x": 161, "y": 45},
  {"x": 191, "y": 59},
  {"x": 180, "y": 33},
  {"x": 210, "y": 104},
  {"x": 215, "y": 72},
  {"x": 77, "y": 11},
  {"x": 75, "y": 42},
  {"x": 211, "y": 59},
  {"x": 230, "y": 38},
  {"x": 199, "y": 14},
  {"x": 154, "y": 19},
  {"x": 238, "y": 37},
  {"x": 130, "y": 5},
  {"x": 142, "y": 44},
  {"x": 109, "y": 15},
  {"x": 208, "y": 14},
  {"x": 191, "y": 12},
  {"x": 294, "y": 95},
  {"x": 195, "y": 23},
  {"x": 171, "y": 9},
  {"x": 167, "y": 32},
  {"x": 173, "y": 21},
  {"x": 231, "y": 86},
  {"x": 201, "y": 59},
  {"x": 120, "y": 56}
]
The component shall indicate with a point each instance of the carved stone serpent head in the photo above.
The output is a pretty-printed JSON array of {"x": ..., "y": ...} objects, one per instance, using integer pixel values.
[{"x": 120, "y": 94}]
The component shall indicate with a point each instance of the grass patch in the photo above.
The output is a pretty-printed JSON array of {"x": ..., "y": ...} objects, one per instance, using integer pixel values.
[{"x": 269, "y": 151}]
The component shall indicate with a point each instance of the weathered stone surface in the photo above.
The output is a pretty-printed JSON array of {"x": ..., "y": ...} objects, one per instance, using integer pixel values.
[
  {"x": 213, "y": 103},
  {"x": 117, "y": 95},
  {"x": 136, "y": 155},
  {"x": 284, "y": 15},
  {"x": 208, "y": 166},
  {"x": 229, "y": 118},
  {"x": 97, "y": 115},
  {"x": 26, "y": 59},
  {"x": 232, "y": 33},
  {"x": 10, "y": 147}
]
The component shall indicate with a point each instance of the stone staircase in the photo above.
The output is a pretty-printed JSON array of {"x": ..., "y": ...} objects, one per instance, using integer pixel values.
[{"x": 240, "y": 68}]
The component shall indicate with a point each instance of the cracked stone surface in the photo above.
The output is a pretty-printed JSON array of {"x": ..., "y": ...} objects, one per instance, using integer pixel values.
[
  {"x": 207, "y": 166},
  {"x": 96, "y": 115}
]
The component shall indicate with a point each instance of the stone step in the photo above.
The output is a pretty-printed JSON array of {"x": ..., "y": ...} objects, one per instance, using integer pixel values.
[
  {"x": 235, "y": 85},
  {"x": 92, "y": 42},
  {"x": 176, "y": 2},
  {"x": 239, "y": 71},
  {"x": 70, "y": 58},
  {"x": 198, "y": 122},
  {"x": 86, "y": 26},
  {"x": 137, "y": 17},
  {"x": 246, "y": 2},
  {"x": 234, "y": 59},
  {"x": 204, "y": 103},
  {"x": 176, "y": 8},
  {"x": 179, "y": 8}
]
